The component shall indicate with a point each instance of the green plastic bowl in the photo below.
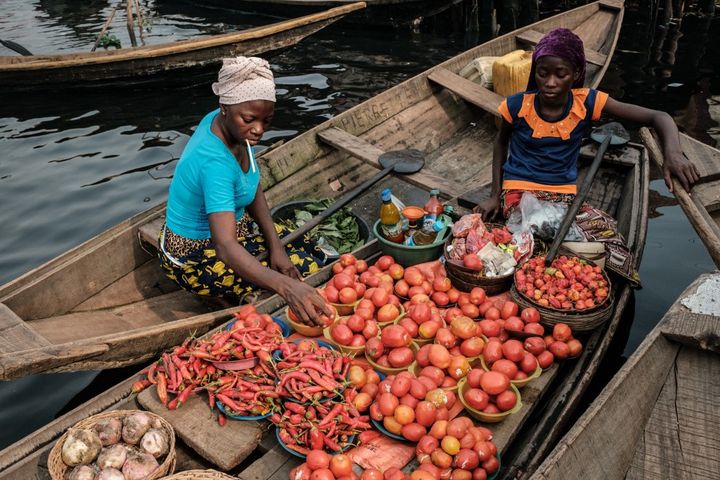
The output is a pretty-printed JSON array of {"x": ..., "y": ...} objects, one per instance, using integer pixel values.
[{"x": 406, "y": 255}]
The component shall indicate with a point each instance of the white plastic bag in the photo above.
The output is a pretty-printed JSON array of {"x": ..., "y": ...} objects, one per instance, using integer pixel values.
[{"x": 542, "y": 218}]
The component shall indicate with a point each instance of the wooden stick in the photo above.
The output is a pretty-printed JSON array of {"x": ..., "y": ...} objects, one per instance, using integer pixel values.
[
  {"x": 130, "y": 26},
  {"x": 139, "y": 21},
  {"x": 696, "y": 212},
  {"x": 104, "y": 28}
]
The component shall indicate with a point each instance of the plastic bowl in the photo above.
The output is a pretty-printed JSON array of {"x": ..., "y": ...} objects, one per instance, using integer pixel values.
[
  {"x": 283, "y": 326},
  {"x": 221, "y": 407},
  {"x": 391, "y": 370},
  {"x": 384, "y": 431},
  {"x": 343, "y": 348},
  {"x": 301, "y": 328},
  {"x": 345, "y": 309},
  {"x": 415, "y": 369},
  {"x": 517, "y": 383},
  {"x": 351, "y": 439},
  {"x": 487, "y": 417},
  {"x": 406, "y": 255}
]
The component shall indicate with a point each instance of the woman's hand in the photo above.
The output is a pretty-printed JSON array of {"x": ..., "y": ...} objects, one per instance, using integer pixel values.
[
  {"x": 280, "y": 262},
  {"x": 677, "y": 165},
  {"x": 305, "y": 301},
  {"x": 489, "y": 208}
]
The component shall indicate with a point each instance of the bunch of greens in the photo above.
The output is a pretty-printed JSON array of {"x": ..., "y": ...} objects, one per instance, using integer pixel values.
[{"x": 340, "y": 231}]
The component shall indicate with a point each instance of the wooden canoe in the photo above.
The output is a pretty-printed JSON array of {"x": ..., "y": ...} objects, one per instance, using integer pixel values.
[
  {"x": 659, "y": 416},
  {"x": 702, "y": 204},
  {"x": 130, "y": 312},
  {"x": 140, "y": 63},
  {"x": 379, "y": 13}
]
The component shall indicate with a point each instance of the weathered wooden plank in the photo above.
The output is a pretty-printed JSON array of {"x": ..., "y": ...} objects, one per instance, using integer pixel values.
[
  {"x": 268, "y": 465},
  {"x": 705, "y": 158},
  {"x": 468, "y": 90},
  {"x": 16, "y": 334},
  {"x": 150, "y": 232},
  {"x": 370, "y": 154},
  {"x": 680, "y": 439},
  {"x": 197, "y": 426},
  {"x": 594, "y": 31},
  {"x": 532, "y": 37},
  {"x": 707, "y": 195}
]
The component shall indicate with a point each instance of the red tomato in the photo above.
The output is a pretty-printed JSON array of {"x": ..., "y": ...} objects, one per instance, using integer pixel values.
[
  {"x": 494, "y": 383},
  {"x": 509, "y": 309},
  {"x": 473, "y": 262},
  {"x": 340, "y": 465},
  {"x": 530, "y": 315},
  {"x": 318, "y": 459},
  {"x": 476, "y": 398},
  {"x": 371, "y": 474}
]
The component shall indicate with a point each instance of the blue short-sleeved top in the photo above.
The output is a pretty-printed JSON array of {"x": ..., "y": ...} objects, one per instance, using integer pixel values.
[
  {"x": 208, "y": 179},
  {"x": 543, "y": 155}
]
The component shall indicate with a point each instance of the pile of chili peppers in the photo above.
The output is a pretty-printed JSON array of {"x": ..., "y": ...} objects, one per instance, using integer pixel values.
[{"x": 307, "y": 372}]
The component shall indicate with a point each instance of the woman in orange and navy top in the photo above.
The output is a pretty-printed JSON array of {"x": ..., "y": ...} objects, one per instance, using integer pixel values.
[{"x": 537, "y": 147}]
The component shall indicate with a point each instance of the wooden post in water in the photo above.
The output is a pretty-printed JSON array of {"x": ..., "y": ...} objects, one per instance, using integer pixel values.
[
  {"x": 130, "y": 23},
  {"x": 472, "y": 27},
  {"x": 104, "y": 28},
  {"x": 139, "y": 21}
]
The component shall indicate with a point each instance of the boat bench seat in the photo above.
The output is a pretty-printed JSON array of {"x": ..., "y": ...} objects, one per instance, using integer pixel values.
[
  {"x": 532, "y": 37},
  {"x": 16, "y": 334},
  {"x": 150, "y": 232},
  {"x": 369, "y": 153},
  {"x": 467, "y": 89}
]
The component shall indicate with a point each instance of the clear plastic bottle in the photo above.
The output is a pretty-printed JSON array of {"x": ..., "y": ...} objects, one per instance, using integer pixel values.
[
  {"x": 427, "y": 236},
  {"x": 390, "y": 225}
]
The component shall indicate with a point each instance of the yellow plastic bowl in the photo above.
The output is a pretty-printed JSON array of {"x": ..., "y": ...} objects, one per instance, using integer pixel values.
[
  {"x": 301, "y": 328},
  {"x": 487, "y": 417},
  {"x": 345, "y": 309},
  {"x": 517, "y": 383},
  {"x": 390, "y": 370},
  {"x": 343, "y": 348}
]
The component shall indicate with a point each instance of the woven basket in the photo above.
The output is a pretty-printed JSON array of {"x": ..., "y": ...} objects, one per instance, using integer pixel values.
[
  {"x": 57, "y": 468},
  {"x": 465, "y": 279},
  {"x": 199, "y": 475},
  {"x": 578, "y": 322}
]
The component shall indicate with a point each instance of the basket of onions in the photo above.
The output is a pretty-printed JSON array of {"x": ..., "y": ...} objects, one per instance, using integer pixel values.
[{"x": 120, "y": 444}]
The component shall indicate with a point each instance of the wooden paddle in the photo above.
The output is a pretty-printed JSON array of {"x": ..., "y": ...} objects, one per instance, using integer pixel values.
[{"x": 610, "y": 133}]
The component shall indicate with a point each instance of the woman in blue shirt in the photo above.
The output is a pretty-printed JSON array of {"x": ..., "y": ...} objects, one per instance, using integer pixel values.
[{"x": 208, "y": 243}]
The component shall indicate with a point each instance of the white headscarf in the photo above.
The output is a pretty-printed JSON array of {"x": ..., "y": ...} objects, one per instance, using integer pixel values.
[{"x": 243, "y": 79}]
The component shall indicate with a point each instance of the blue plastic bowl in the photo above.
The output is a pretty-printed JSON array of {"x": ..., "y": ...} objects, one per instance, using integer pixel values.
[
  {"x": 221, "y": 407},
  {"x": 286, "y": 331},
  {"x": 298, "y": 454},
  {"x": 384, "y": 431},
  {"x": 494, "y": 475}
]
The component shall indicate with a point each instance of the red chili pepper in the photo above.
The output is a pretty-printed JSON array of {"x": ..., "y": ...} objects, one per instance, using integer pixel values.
[
  {"x": 173, "y": 380},
  {"x": 221, "y": 340},
  {"x": 323, "y": 381},
  {"x": 180, "y": 350},
  {"x": 140, "y": 385},
  {"x": 152, "y": 371},
  {"x": 316, "y": 439},
  {"x": 314, "y": 365},
  {"x": 162, "y": 388},
  {"x": 295, "y": 407},
  {"x": 230, "y": 403},
  {"x": 221, "y": 419},
  {"x": 211, "y": 399},
  {"x": 331, "y": 415},
  {"x": 331, "y": 444},
  {"x": 172, "y": 405},
  {"x": 202, "y": 354},
  {"x": 302, "y": 376},
  {"x": 185, "y": 394},
  {"x": 310, "y": 414}
]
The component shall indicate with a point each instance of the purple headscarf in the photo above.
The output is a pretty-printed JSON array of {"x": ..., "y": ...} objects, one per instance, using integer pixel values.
[{"x": 561, "y": 43}]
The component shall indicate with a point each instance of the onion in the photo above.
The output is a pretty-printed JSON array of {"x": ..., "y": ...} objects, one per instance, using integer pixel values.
[
  {"x": 82, "y": 472},
  {"x": 109, "y": 430},
  {"x": 81, "y": 447},
  {"x": 110, "y": 474},
  {"x": 112, "y": 457},
  {"x": 155, "y": 442},
  {"x": 135, "y": 426}
]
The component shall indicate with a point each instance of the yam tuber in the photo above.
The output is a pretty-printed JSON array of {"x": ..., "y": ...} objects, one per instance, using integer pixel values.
[
  {"x": 81, "y": 447},
  {"x": 109, "y": 430},
  {"x": 135, "y": 426},
  {"x": 155, "y": 442},
  {"x": 112, "y": 457}
]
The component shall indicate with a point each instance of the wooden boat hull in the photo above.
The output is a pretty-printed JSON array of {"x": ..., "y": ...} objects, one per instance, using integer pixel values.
[
  {"x": 379, "y": 13},
  {"x": 702, "y": 204},
  {"x": 142, "y": 63},
  {"x": 337, "y": 155},
  {"x": 658, "y": 417}
]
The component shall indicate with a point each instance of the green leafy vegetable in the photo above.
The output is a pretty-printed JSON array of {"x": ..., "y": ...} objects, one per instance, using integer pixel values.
[{"x": 341, "y": 230}]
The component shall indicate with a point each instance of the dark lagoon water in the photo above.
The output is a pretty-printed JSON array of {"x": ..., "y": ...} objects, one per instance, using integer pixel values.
[{"x": 74, "y": 163}]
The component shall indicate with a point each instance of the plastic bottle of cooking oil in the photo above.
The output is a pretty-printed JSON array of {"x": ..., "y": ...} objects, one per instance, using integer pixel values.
[{"x": 390, "y": 225}]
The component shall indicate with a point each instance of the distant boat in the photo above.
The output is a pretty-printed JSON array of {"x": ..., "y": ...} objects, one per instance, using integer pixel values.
[
  {"x": 659, "y": 415},
  {"x": 702, "y": 205},
  {"x": 139, "y": 64},
  {"x": 379, "y": 13}
]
